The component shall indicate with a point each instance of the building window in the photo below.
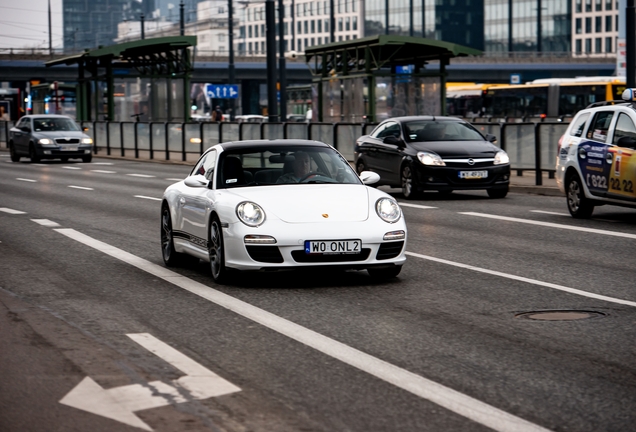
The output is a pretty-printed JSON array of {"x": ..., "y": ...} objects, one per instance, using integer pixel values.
[
  {"x": 598, "y": 45},
  {"x": 588, "y": 25},
  {"x": 313, "y": 26},
  {"x": 599, "y": 5},
  {"x": 588, "y": 46},
  {"x": 306, "y": 26},
  {"x": 249, "y": 31},
  {"x": 578, "y": 25},
  {"x": 578, "y": 7},
  {"x": 578, "y": 46},
  {"x": 255, "y": 31},
  {"x": 598, "y": 24},
  {"x": 326, "y": 25},
  {"x": 347, "y": 23},
  {"x": 608, "y": 23},
  {"x": 355, "y": 23},
  {"x": 588, "y": 5},
  {"x": 608, "y": 5},
  {"x": 608, "y": 44},
  {"x": 249, "y": 47},
  {"x": 340, "y": 24},
  {"x": 319, "y": 26},
  {"x": 300, "y": 28}
]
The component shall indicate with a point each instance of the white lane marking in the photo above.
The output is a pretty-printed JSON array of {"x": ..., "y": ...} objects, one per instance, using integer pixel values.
[
  {"x": 38, "y": 164},
  {"x": 174, "y": 179},
  {"x": 446, "y": 397},
  {"x": 103, "y": 163},
  {"x": 27, "y": 180},
  {"x": 81, "y": 187},
  {"x": 527, "y": 280},
  {"x": 147, "y": 197},
  {"x": 11, "y": 211},
  {"x": 552, "y": 225},
  {"x": 46, "y": 222},
  {"x": 71, "y": 167},
  {"x": 550, "y": 213},
  {"x": 403, "y": 204},
  {"x": 104, "y": 171},
  {"x": 140, "y": 175}
]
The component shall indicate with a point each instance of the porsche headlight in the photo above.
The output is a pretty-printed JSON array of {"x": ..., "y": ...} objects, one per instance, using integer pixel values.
[
  {"x": 429, "y": 158},
  {"x": 501, "y": 157},
  {"x": 87, "y": 140},
  {"x": 251, "y": 214},
  {"x": 388, "y": 210},
  {"x": 45, "y": 141}
]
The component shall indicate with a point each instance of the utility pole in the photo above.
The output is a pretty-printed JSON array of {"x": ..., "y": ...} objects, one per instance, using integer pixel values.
[
  {"x": 143, "y": 34},
  {"x": 181, "y": 19},
  {"x": 332, "y": 21},
  {"x": 539, "y": 26},
  {"x": 270, "y": 30},
  {"x": 232, "y": 77},
  {"x": 282, "y": 67},
  {"x": 50, "y": 38}
]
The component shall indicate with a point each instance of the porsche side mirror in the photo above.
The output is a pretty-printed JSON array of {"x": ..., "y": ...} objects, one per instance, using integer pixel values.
[
  {"x": 196, "y": 181},
  {"x": 369, "y": 177}
]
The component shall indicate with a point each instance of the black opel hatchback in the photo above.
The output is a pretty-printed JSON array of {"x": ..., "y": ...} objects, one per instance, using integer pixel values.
[{"x": 433, "y": 153}]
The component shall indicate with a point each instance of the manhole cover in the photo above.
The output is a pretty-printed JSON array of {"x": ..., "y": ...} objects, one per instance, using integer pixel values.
[{"x": 560, "y": 315}]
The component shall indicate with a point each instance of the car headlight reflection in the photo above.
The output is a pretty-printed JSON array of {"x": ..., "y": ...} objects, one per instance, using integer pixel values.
[
  {"x": 430, "y": 158},
  {"x": 388, "y": 210},
  {"x": 251, "y": 214},
  {"x": 87, "y": 140},
  {"x": 501, "y": 157},
  {"x": 45, "y": 141}
]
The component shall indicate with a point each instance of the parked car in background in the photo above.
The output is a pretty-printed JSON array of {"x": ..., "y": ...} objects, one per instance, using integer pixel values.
[
  {"x": 596, "y": 162},
  {"x": 433, "y": 153},
  {"x": 49, "y": 137},
  {"x": 281, "y": 205},
  {"x": 251, "y": 118}
]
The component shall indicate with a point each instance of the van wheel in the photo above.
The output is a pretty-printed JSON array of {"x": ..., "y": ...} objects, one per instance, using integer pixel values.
[{"x": 579, "y": 205}]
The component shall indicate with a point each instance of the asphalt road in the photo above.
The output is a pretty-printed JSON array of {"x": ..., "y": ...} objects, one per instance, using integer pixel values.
[{"x": 452, "y": 344}]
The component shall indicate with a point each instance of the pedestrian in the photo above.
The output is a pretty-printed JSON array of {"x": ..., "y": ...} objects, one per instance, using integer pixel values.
[{"x": 217, "y": 114}]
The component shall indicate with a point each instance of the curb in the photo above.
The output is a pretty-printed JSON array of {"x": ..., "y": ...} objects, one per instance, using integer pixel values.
[{"x": 537, "y": 190}]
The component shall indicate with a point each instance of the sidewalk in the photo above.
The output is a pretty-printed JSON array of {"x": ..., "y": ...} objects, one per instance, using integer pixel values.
[{"x": 527, "y": 184}]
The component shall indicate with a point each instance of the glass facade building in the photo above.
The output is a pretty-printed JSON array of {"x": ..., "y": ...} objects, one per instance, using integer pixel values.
[{"x": 91, "y": 23}]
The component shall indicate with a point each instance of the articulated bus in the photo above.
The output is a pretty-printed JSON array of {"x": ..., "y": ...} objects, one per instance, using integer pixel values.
[{"x": 545, "y": 98}]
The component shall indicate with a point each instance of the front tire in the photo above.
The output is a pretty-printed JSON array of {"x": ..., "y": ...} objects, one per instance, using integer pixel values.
[
  {"x": 579, "y": 205},
  {"x": 171, "y": 257},
  {"x": 385, "y": 272},
  {"x": 497, "y": 193},
  {"x": 409, "y": 188},
  {"x": 217, "y": 252},
  {"x": 14, "y": 156},
  {"x": 33, "y": 154},
  {"x": 87, "y": 159},
  {"x": 360, "y": 167}
]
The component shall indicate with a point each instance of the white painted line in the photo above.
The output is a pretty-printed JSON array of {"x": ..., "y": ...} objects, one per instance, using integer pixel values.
[
  {"x": 104, "y": 171},
  {"x": 403, "y": 204},
  {"x": 71, "y": 167},
  {"x": 527, "y": 280},
  {"x": 27, "y": 180},
  {"x": 550, "y": 213},
  {"x": 147, "y": 197},
  {"x": 174, "y": 179},
  {"x": 81, "y": 187},
  {"x": 46, "y": 222},
  {"x": 446, "y": 397},
  {"x": 11, "y": 211},
  {"x": 38, "y": 164},
  {"x": 4, "y": 155},
  {"x": 553, "y": 225},
  {"x": 140, "y": 175},
  {"x": 103, "y": 163}
]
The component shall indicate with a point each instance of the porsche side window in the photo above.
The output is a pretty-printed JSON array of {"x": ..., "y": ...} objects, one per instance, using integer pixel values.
[
  {"x": 624, "y": 128},
  {"x": 579, "y": 124},
  {"x": 600, "y": 126},
  {"x": 199, "y": 168},
  {"x": 209, "y": 164}
]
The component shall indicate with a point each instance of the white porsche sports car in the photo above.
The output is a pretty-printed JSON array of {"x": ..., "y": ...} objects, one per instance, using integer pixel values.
[{"x": 281, "y": 204}]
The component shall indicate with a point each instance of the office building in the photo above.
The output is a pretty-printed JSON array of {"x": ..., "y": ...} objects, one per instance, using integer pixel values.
[{"x": 595, "y": 25}]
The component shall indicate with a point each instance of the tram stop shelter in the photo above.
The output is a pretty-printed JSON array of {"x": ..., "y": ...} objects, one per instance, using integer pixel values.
[
  {"x": 149, "y": 78},
  {"x": 373, "y": 78}
]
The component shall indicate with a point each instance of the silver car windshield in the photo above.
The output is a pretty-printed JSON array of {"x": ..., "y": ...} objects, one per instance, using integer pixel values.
[
  {"x": 284, "y": 165},
  {"x": 430, "y": 130},
  {"x": 54, "y": 124}
]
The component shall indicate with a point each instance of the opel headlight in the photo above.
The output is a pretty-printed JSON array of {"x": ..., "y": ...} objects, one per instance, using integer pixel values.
[
  {"x": 429, "y": 158},
  {"x": 87, "y": 140},
  {"x": 45, "y": 141},
  {"x": 501, "y": 157},
  {"x": 251, "y": 214},
  {"x": 388, "y": 210}
]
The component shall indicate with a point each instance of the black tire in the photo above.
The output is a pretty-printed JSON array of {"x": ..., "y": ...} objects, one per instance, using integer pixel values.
[
  {"x": 409, "y": 187},
  {"x": 87, "y": 159},
  {"x": 33, "y": 155},
  {"x": 445, "y": 193},
  {"x": 216, "y": 251},
  {"x": 497, "y": 193},
  {"x": 64, "y": 159},
  {"x": 171, "y": 257},
  {"x": 360, "y": 166},
  {"x": 385, "y": 272},
  {"x": 14, "y": 156},
  {"x": 579, "y": 205}
]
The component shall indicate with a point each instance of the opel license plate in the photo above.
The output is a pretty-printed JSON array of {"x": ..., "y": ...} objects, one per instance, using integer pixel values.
[
  {"x": 473, "y": 174},
  {"x": 333, "y": 247}
]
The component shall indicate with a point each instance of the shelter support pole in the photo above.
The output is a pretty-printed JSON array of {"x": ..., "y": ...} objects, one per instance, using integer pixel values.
[
  {"x": 110, "y": 90},
  {"x": 443, "y": 62}
]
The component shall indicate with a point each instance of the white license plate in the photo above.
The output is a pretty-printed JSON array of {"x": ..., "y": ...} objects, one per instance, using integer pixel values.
[
  {"x": 333, "y": 247},
  {"x": 67, "y": 147},
  {"x": 473, "y": 174}
]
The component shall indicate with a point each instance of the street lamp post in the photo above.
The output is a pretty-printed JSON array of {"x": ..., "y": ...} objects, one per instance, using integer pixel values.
[
  {"x": 270, "y": 28},
  {"x": 232, "y": 77},
  {"x": 282, "y": 67}
]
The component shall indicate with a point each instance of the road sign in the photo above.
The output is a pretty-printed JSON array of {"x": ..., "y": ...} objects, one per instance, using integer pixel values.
[
  {"x": 222, "y": 91},
  {"x": 120, "y": 403}
]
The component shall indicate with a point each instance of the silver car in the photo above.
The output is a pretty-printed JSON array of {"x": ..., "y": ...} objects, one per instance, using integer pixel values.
[{"x": 49, "y": 137}]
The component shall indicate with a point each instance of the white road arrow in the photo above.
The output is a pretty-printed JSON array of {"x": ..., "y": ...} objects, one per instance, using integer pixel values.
[{"x": 120, "y": 403}]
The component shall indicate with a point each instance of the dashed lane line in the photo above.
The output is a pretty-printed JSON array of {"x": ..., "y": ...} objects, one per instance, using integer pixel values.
[
  {"x": 141, "y": 175},
  {"x": 26, "y": 180},
  {"x": 147, "y": 197},
  {"x": 446, "y": 397},
  {"x": 550, "y": 213},
  {"x": 80, "y": 187},
  {"x": 403, "y": 204},
  {"x": 104, "y": 171},
  {"x": 46, "y": 222},
  {"x": 552, "y": 225},
  {"x": 11, "y": 211},
  {"x": 71, "y": 168}
]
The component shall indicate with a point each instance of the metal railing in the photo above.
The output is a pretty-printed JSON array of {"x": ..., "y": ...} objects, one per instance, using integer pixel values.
[{"x": 532, "y": 146}]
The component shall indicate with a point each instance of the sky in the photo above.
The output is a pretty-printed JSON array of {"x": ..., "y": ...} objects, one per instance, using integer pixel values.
[{"x": 25, "y": 24}]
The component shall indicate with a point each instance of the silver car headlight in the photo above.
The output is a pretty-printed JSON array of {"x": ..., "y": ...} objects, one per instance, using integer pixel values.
[
  {"x": 430, "y": 158},
  {"x": 87, "y": 140},
  {"x": 501, "y": 157},
  {"x": 388, "y": 210},
  {"x": 251, "y": 214},
  {"x": 45, "y": 141}
]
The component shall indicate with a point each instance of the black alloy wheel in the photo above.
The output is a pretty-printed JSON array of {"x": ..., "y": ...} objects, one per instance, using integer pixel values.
[
  {"x": 216, "y": 251},
  {"x": 579, "y": 206},
  {"x": 170, "y": 256},
  {"x": 409, "y": 188}
]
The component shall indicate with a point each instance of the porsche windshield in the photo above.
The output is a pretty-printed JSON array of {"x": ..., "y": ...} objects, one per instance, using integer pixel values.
[
  {"x": 284, "y": 165},
  {"x": 427, "y": 130}
]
